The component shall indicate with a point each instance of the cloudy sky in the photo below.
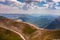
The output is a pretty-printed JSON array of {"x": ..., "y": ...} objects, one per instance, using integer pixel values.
[
  {"x": 22, "y": 0},
  {"x": 40, "y": 0},
  {"x": 56, "y": 0},
  {"x": 8, "y": 9}
]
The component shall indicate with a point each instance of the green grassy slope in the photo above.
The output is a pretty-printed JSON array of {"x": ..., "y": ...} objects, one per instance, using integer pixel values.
[{"x": 8, "y": 35}]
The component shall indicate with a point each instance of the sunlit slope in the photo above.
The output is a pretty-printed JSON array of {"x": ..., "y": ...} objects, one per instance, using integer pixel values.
[
  {"x": 28, "y": 31},
  {"x": 20, "y": 27},
  {"x": 46, "y": 35},
  {"x": 8, "y": 35}
]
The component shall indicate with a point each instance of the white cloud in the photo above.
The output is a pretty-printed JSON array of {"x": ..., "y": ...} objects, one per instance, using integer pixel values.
[
  {"x": 56, "y": 0},
  {"x": 13, "y": 10},
  {"x": 13, "y": 0},
  {"x": 2, "y": 0},
  {"x": 10, "y": 0}
]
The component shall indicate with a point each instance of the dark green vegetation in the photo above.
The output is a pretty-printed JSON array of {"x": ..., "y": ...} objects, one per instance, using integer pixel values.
[
  {"x": 8, "y": 35},
  {"x": 28, "y": 29}
]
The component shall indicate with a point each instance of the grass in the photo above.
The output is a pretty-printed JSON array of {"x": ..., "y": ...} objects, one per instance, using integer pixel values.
[
  {"x": 47, "y": 35},
  {"x": 28, "y": 29},
  {"x": 8, "y": 35}
]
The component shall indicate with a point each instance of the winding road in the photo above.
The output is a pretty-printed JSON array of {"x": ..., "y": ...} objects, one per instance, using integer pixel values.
[
  {"x": 14, "y": 29},
  {"x": 19, "y": 31}
]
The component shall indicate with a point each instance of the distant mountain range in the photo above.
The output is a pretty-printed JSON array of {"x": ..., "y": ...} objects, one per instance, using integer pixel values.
[
  {"x": 39, "y": 20},
  {"x": 42, "y": 21},
  {"x": 54, "y": 24}
]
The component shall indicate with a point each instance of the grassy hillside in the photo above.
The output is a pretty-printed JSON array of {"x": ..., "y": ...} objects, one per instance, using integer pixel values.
[
  {"x": 8, "y": 35},
  {"x": 25, "y": 29},
  {"x": 47, "y": 35},
  {"x": 28, "y": 29}
]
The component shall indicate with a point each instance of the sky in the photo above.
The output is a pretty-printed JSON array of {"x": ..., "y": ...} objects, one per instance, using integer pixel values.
[
  {"x": 56, "y": 0},
  {"x": 41, "y": 0},
  {"x": 8, "y": 9},
  {"x": 22, "y": 0},
  {"x": 33, "y": 0}
]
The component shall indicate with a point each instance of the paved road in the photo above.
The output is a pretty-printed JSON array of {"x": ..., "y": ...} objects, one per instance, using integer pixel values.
[
  {"x": 32, "y": 25},
  {"x": 14, "y": 29}
]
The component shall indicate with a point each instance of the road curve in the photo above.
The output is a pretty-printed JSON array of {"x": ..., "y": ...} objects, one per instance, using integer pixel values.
[
  {"x": 33, "y": 25},
  {"x": 13, "y": 31}
]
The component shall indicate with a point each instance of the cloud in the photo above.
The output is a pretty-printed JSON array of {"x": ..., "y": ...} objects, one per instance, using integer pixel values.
[
  {"x": 10, "y": 0},
  {"x": 56, "y": 0},
  {"x": 6, "y": 9},
  {"x": 13, "y": 0},
  {"x": 2, "y": 0}
]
